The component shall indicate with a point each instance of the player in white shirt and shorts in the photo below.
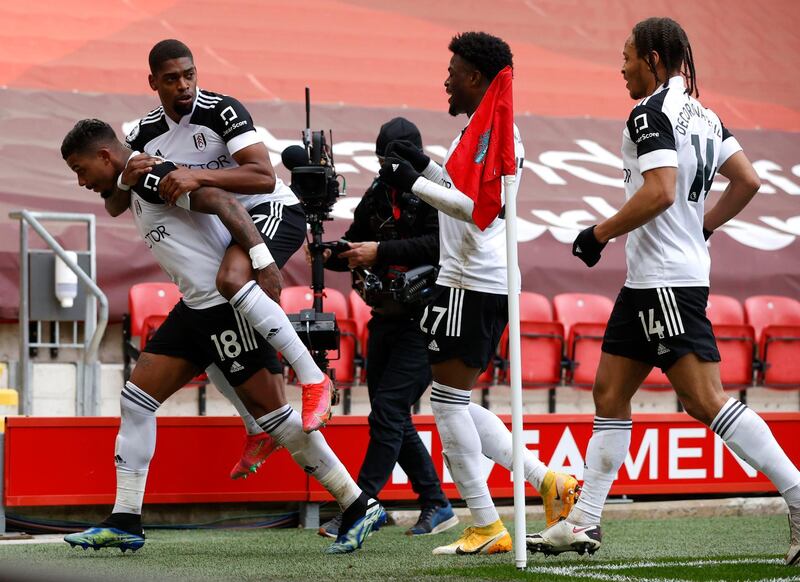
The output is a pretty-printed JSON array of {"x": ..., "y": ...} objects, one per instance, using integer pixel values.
[
  {"x": 203, "y": 331},
  {"x": 213, "y": 140},
  {"x": 469, "y": 312},
  {"x": 672, "y": 146}
]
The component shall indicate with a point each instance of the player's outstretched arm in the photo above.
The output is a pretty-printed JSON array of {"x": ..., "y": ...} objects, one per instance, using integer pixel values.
[
  {"x": 240, "y": 224},
  {"x": 743, "y": 185},
  {"x": 402, "y": 176},
  {"x": 253, "y": 175},
  {"x": 418, "y": 159}
]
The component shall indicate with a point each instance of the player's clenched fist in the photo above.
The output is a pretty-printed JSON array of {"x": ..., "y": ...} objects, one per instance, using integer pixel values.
[
  {"x": 587, "y": 248},
  {"x": 406, "y": 150},
  {"x": 398, "y": 174},
  {"x": 178, "y": 182},
  {"x": 137, "y": 166}
]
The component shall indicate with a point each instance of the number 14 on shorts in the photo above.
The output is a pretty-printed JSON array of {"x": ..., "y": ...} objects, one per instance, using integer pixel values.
[{"x": 651, "y": 325}]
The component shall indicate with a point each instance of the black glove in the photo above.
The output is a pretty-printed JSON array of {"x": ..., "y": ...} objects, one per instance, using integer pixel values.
[
  {"x": 587, "y": 248},
  {"x": 404, "y": 149},
  {"x": 707, "y": 233},
  {"x": 398, "y": 174}
]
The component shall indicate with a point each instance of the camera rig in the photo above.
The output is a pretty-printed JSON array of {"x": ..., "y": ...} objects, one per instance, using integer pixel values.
[{"x": 315, "y": 182}]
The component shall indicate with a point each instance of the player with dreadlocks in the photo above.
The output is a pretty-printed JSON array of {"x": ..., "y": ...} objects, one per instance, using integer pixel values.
[{"x": 672, "y": 147}]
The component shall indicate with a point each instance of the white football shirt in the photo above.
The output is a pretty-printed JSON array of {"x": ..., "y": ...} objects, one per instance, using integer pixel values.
[
  {"x": 218, "y": 127},
  {"x": 672, "y": 129},
  {"x": 471, "y": 258},
  {"x": 189, "y": 246}
]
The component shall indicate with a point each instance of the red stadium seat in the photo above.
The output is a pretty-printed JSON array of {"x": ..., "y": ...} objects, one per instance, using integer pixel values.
[
  {"x": 764, "y": 310},
  {"x": 737, "y": 347},
  {"x": 781, "y": 356},
  {"x": 541, "y": 343},
  {"x": 542, "y": 348},
  {"x": 571, "y": 308},
  {"x": 145, "y": 299},
  {"x": 148, "y": 307},
  {"x": 584, "y": 316},
  {"x": 534, "y": 307},
  {"x": 361, "y": 314},
  {"x": 540, "y": 338},
  {"x": 776, "y": 320},
  {"x": 294, "y": 299},
  {"x": 723, "y": 309},
  {"x": 345, "y": 366},
  {"x": 583, "y": 351},
  {"x": 735, "y": 340}
]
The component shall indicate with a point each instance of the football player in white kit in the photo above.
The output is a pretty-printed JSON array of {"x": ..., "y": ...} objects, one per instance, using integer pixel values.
[
  {"x": 467, "y": 316},
  {"x": 672, "y": 146},
  {"x": 214, "y": 141},
  {"x": 202, "y": 330}
]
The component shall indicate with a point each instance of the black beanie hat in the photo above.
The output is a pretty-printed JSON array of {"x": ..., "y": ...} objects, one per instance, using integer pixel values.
[{"x": 398, "y": 128}]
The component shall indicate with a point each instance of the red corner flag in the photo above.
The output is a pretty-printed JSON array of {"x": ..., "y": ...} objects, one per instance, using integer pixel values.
[{"x": 486, "y": 151}]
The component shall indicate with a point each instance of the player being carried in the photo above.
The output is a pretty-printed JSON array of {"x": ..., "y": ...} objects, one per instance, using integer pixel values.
[
  {"x": 214, "y": 141},
  {"x": 672, "y": 146},
  {"x": 467, "y": 316},
  {"x": 202, "y": 330}
]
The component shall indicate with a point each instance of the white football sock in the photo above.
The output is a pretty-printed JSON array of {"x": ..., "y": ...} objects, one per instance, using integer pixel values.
[
  {"x": 604, "y": 457},
  {"x": 221, "y": 382},
  {"x": 748, "y": 436},
  {"x": 136, "y": 443},
  {"x": 312, "y": 453},
  {"x": 496, "y": 444},
  {"x": 271, "y": 322},
  {"x": 461, "y": 448}
]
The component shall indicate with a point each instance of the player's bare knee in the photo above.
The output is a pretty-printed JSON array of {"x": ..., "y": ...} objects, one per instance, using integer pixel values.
[
  {"x": 609, "y": 403},
  {"x": 230, "y": 280},
  {"x": 699, "y": 409}
]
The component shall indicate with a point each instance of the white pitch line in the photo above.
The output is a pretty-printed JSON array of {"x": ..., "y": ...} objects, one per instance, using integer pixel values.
[
  {"x": 38, "y": 539},
  {"x": 599, "y": 571}
]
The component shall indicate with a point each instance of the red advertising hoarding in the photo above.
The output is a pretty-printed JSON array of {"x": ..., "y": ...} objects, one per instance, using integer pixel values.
[{"x": 669, "y": 454}]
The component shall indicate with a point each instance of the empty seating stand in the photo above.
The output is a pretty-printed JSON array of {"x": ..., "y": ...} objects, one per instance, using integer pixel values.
[
  {"x": 584, "y": 317},
  {"x": 148, "y": 307},
  {"x": 735, "y": 340},
  {"x": 361, "y": 313},
  {"x": 776, "y": 321}
]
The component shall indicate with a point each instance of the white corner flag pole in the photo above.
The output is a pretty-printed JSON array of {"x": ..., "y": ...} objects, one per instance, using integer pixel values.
[{"x": 520, "y": 550}]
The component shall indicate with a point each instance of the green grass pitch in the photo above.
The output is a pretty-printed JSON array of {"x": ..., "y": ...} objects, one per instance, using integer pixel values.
[{"x": 727, "y": 548}]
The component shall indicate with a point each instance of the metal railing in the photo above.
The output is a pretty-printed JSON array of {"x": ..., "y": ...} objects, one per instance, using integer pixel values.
[{"x": 87, "y": 398}]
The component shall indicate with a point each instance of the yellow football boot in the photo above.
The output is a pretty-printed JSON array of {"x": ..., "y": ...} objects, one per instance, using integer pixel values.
[
  {"x": 489, "y": 539},
  {"x": 559, "y": 493}
]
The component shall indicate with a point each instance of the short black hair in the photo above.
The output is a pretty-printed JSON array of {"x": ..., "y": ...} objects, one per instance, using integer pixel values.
[
  {"x": 86, "y": 134},
  {"x": 669, "y": 40},
  {"x": 166, "y": 50},
  {"x": 489, "y": 54}
]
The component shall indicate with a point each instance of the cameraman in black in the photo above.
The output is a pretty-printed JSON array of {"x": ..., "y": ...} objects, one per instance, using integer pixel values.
[{"x": 391, "y": 233}]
